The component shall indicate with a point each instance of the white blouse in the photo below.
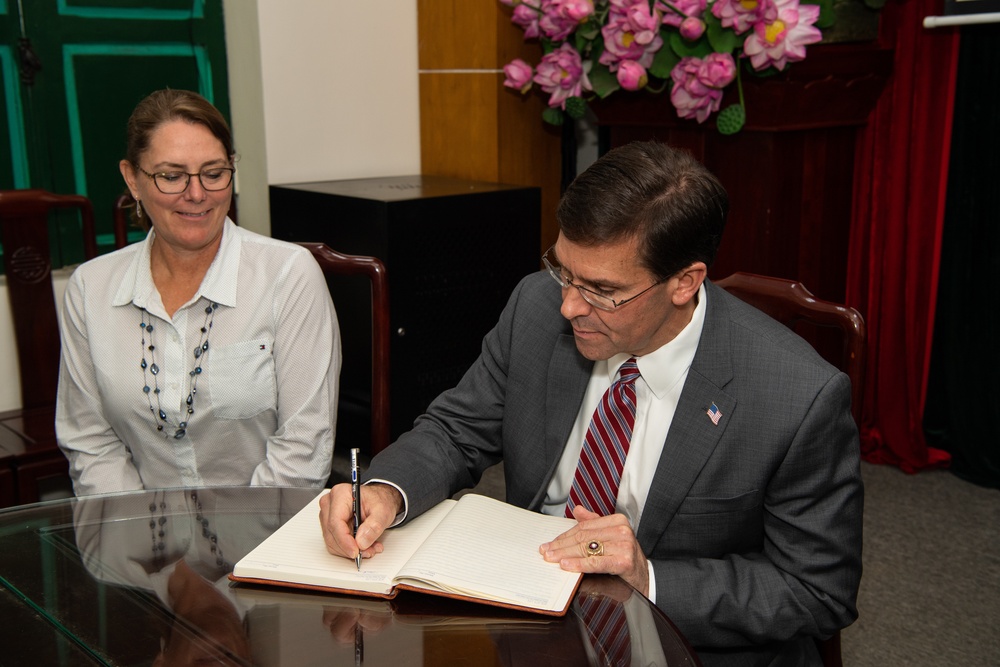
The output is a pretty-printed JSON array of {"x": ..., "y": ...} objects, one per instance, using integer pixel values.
[{"x": 265, "y": 405}]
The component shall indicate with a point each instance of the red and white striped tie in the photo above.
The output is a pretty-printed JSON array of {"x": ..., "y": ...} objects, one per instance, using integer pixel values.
[
  {"x": 599, "y": 472},
  {"x": 607, "y": 630}
]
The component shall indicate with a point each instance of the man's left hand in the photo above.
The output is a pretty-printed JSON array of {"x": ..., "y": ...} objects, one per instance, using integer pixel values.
[{"x": 620, "y": 555}]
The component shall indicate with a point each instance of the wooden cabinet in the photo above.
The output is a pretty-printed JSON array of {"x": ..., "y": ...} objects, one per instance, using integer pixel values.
[{"x": 453, "y": 249}]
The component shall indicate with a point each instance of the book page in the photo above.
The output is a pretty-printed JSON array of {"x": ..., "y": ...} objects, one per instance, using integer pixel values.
[
  {"x": 489, "y": 549},
  {"x": 295, "y": 553}
]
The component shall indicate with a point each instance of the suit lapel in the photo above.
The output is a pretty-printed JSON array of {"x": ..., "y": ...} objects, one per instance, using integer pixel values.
[
  {"x": 692, "y": 436},
  {"x": 568, "y": 375}
]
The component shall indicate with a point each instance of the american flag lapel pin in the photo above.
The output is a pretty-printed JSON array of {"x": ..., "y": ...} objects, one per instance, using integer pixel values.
[{"x": 714, "y": 414}]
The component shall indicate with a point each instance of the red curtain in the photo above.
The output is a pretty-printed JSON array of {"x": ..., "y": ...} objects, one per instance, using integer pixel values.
[{"x": 899, "y": 195}]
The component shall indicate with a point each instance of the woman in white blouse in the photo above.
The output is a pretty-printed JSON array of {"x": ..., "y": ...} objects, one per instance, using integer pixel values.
[{"x": 207, "y": 355}]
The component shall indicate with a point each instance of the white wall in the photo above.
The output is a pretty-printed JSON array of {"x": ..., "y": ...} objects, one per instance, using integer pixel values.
[
  {"x": 341, "y": 85},
  {"x": 319, "y": 90}
]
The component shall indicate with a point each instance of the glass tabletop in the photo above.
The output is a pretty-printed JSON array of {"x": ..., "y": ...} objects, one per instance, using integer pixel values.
[{"x": 142, "y": 578}]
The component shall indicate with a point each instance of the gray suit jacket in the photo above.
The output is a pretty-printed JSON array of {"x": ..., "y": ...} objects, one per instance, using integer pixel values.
[{"x": 753, "y": 526}]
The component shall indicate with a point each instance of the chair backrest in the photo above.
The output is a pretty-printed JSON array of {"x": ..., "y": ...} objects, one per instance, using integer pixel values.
[
  {"x": 24, "y": 234},
  {"x": 336, "y": 263},
  {"x": 790, "y": 303}
]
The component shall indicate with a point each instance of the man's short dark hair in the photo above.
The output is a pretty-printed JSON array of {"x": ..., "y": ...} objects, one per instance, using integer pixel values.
[{"x": 662, "y": 196}]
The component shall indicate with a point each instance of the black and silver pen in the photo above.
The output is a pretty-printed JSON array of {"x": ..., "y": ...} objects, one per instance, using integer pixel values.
[{"x": 356, "y": 496}]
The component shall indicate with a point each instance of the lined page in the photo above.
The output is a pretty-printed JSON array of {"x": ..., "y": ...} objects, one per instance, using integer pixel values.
[
  {"x": 295, "y": 553},
  {"x": 489, "y": 549}
]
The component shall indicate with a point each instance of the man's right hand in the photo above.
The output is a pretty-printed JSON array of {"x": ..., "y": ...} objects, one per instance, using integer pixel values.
[{"x": 380, "y": 503}]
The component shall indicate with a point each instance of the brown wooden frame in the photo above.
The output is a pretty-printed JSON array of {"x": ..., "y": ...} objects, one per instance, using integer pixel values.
[
  {"x": 333, "y": 262},
  {"x": 24, "y": 234}
]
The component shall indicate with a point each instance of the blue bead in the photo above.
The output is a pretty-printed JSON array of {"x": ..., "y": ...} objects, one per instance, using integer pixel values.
[
  {"x": 197, "y": 352},
  {"x": 149, "y": 328},
  {"x": 190, "y": 399},
  {"x": 163, "y": 415},
  {"x": 154, "y": 369},
  {"x": 198, "y": 370},
  {"x": 146, "y": 389},
  {"x": 143, "y": 364},
  {"x": 179, "y": 434},
  {"x": 205, "y": 346}
]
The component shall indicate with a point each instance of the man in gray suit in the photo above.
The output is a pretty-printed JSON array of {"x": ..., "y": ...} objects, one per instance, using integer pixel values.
[{"x": 738, "y": 510}]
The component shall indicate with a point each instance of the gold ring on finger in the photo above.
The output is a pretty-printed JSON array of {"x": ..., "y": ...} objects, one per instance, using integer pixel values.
[{"x": 594, "y": 548}]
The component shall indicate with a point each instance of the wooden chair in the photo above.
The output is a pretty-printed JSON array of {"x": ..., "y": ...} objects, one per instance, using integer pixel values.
[
  {"x": 335, "y": 263},
  {"x": 28, "y": 435},
  {"x": 791, "y": 303}
]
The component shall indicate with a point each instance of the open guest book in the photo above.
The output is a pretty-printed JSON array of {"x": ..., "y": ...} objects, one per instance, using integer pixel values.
[{"x": 476, "y": 549}]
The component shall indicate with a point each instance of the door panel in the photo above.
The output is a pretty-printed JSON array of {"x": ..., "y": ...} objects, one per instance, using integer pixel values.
[{"x": 65, "y": 131}]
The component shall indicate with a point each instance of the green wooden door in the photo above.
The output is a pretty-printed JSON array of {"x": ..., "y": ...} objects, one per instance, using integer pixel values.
[{"x": 62, "y": 126}]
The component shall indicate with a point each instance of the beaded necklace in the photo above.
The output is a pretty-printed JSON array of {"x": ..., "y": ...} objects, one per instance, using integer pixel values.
[
  {"x": 160, "y": 418},
  {"x": 158, "y": 529}
]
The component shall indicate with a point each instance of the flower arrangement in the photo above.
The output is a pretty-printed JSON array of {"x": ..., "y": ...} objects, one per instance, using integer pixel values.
[{"x": 695, "y": 47}]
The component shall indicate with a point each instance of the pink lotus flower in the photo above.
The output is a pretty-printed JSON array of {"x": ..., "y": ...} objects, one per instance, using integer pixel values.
[
  {"x": 643, "y": 21},
  {"x": 560, "y": 73},
  {"x": 784, "y": 39},
  {"x": 771, "y": 33},
  {"x": 741, "y": 15},
  {"x": 698, "y": 84},
  {"x": 622, "y": 41},
  {"x": 688, "y": 8},
  {"x": 518, "y": 75},
  {"x": 561, "y": 17},
  {"x": 692, "y": 28},
  {"x": 578, "y": 10},
  {"x": 526, "y": 15},
  {"x": 631, "y": 75}
]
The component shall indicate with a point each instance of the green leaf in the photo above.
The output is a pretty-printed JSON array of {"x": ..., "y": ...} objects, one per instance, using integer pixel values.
[
  {"x": 723, "y": 40},
  {"x": 588, "y": 30},
  {"x": 553, "y": 116},
  {"x": 760, "y": 74},
  {"x": 683, "y": 48},
  {"x": 731, "y": 119},
  {"x": 827, "y": 15},
  {"x": 576, "y": 107},
  {"x": 602, "y": 80},
  {"x": 663, "y": 62}
]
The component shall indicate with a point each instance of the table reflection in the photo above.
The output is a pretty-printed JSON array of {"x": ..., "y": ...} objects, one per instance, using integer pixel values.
[
  {"x": 179, "y": 546},
  {"x": 143, "y": 579}
]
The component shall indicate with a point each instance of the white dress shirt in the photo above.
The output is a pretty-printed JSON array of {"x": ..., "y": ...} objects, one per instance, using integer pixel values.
[
  {"x": 265, "y": 407},
  {"x": 662, "y": 376}
]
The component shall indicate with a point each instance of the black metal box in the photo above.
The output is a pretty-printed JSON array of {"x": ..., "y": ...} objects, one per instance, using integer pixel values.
[{"x": 453, "y": 249}]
